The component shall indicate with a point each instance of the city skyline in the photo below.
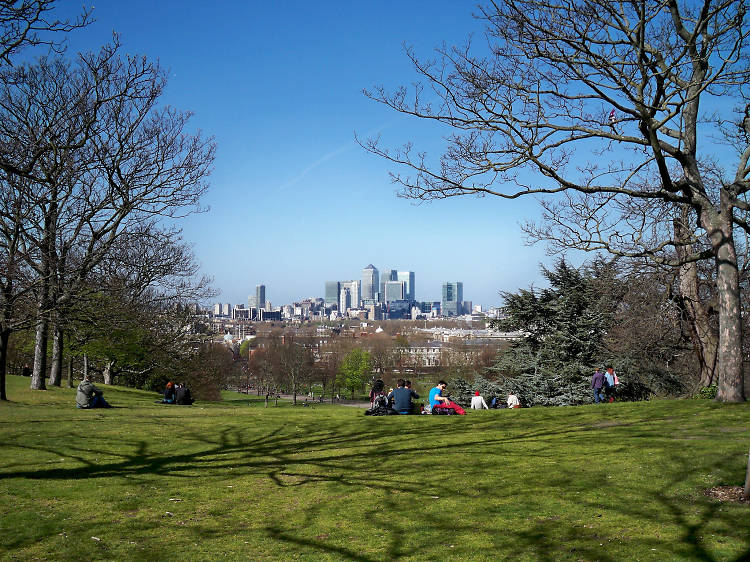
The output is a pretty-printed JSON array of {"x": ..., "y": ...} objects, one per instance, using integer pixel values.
[{"x": 294, "y": 201}]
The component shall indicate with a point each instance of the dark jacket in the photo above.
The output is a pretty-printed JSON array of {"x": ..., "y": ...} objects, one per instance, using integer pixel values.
[
  {"x": 169, "y": 394},
  {"x": 182, "y": 396},
  {"x": 402, "y": 399}
]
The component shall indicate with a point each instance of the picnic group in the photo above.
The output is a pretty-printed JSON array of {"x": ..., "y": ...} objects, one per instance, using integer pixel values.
[{"x": 400, "y": 400}]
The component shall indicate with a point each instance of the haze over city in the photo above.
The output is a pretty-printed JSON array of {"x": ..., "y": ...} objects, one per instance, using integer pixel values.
[{"x": 294, "y": 201}]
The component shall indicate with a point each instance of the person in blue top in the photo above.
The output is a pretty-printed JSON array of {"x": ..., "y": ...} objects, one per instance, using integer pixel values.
[
  {"x": 437, "y": 400},
  {"x": 436, "y": 394}
]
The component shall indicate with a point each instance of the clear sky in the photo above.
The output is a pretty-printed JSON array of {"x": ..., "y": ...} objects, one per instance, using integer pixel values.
[{"x": 294, "y": 201}]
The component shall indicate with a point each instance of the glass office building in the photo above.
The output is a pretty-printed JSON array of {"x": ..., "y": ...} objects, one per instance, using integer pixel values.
[{"x": 453, "y": 296}]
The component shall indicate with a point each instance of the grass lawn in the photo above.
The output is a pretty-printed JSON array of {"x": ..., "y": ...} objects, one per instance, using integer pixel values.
[{"x": 238, "y": 481}]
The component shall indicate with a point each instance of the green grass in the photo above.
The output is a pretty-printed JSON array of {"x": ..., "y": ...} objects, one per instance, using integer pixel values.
[{"x": 238, "y": 481}]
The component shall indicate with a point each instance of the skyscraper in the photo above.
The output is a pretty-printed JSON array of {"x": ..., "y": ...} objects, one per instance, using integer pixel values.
[
  {"x": 453, "y": 296},
  {"x": 354, "y": 292},
  {"x": 370, "y": 282},
  {"x": 394, "y": 291},
  {"x": 408, "y": 278},
  {"x": 388, "y": 275},
  {"x": 332, "y": 292},
  {"x": 260, "y": 296},
  {"x": 345, "y": 300}
]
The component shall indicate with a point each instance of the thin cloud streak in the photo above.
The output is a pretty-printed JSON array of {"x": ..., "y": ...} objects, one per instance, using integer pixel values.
[{"x": 328, "y": 156}]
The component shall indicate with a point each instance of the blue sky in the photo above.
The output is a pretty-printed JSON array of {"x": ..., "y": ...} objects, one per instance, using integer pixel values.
[{"x": 294, "y": 201}]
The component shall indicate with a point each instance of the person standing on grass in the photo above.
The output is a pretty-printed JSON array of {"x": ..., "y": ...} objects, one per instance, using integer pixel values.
[
  {"x": 477, "y": 402},
  {"x": 400, "y": 398},
  {"x": 597, "y": 384},
  {"x": 609, "y": 384},
  {"x": 611, "y": 380}
]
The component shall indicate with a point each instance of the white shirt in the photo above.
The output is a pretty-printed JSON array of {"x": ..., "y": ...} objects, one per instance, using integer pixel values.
[
  {"x": 477, "y": 403},
  {"x": 513, "y": 401}
]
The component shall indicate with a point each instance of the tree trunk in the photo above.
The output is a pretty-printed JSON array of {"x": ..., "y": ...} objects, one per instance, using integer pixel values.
[
  {"x": 55, "y": 375},
  {"x": 729, "y": 375},
  {"x": 85, "y": 366},
  {"x": 70, "y": 372},
  {"x": 40, "y": 353},
  {"x": 702, "y": 333},
  {"x": 4, "y": 338},
  {"x": 108, "y": 377}
]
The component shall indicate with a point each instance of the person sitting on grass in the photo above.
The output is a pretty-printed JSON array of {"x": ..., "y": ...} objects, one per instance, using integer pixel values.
[
  {"x": 513, "y": 401},
  {"x": 401, "y": 397},
  {"x": 169, "y": 394},
  {"x": 440, "y": 402},
  {"x": 182, "y": 395},
  {"x": 378, "y": 389},
  {"x": 477, "y": 402},
  {"x": 88, "y": 396}
]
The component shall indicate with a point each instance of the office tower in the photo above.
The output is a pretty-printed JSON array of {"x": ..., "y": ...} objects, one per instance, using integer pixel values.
[
  {"x": 354, "y": 292},
  {"x": 226, "y": 309},
  {"x": 260, "y": 296},
  {"x": 388, "y": 275},
  {"x": 333, "y": 288},
  {"x": 394, "y": 291},
  {"x": 217, "y": 309},
  {"x": 345, "y": 300},
  {"x": 408, "y": 278},
  {"x": 453, "y": 296},
  {"x": 252, "y": 301},
  {"x": 370, "y": 282}
]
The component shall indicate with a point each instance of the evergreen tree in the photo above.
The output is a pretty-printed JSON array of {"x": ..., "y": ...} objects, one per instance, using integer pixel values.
[{"x": 564, "y": 327}]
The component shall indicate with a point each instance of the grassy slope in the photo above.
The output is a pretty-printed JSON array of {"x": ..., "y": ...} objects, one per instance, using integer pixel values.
[{"x": 620, "y": 481}]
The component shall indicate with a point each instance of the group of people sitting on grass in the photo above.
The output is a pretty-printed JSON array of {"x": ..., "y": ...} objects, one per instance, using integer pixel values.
[
  {"x": 478, "y": 402},
  {"x": 89, "y": 396},
  {"x": 400, "y": 401},
  {"x": 177, "y": 394}
]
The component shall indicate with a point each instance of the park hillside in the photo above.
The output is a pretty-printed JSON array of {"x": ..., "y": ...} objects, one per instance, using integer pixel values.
[
  {"x": 630, "y": 124},
  {"x": 237, "y": 480}
]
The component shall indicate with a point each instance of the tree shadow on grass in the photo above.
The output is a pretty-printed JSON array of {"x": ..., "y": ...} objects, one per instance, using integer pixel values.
[{"x": 398, "y": 460}]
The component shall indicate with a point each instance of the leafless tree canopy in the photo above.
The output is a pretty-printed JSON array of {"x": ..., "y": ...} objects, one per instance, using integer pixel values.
[
  {"x": 618, "y": 113},
  {"x": 91, "y": 163},
  {"x": 32, "y": 23}
]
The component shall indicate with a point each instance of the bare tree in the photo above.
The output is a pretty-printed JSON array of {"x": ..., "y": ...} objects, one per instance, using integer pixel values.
[
  {"x": 295, "y": 363},
  {"x": 599, "y": 101},
  {"x": 31, "y": 23},
  {"x": 112, "y": 160},
  {"x": 23, "y": 24}
]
